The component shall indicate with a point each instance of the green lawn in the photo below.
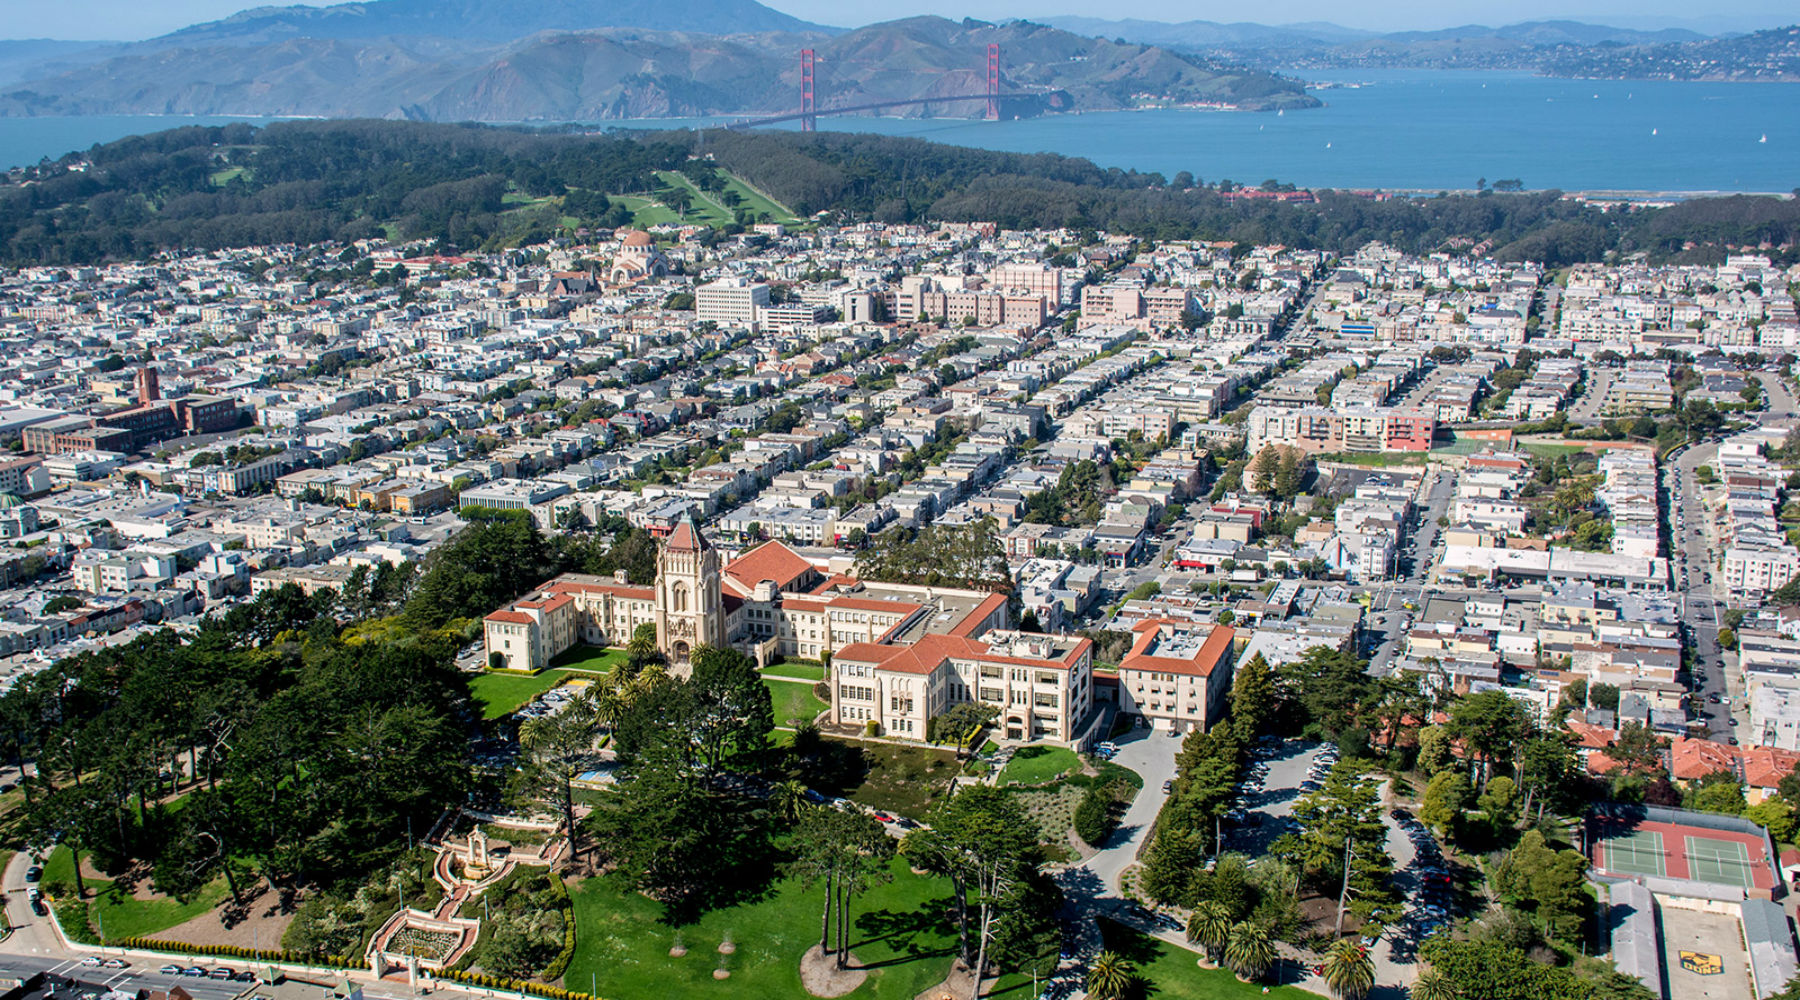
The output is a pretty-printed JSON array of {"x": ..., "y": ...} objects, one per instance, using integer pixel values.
[
  {"x": 502, "y": 694},
  {"x": 703, "y": 208},
  {"x": 804, "y": 671},
  {"x": 593, "y": 659},
  {"x": 120, "y": 914},
  {"x": 907, "y": 780},
  {"x": 646, "y": 212},
  {"x": 1171, "y": 973},
  {"x": 758, "y": 204},
  {"x": 622, "y": 948},
  {"x": 793, "y": 700},
  {"x": 1036, "y": 765},
  {"x": 1382, "y": 460}
]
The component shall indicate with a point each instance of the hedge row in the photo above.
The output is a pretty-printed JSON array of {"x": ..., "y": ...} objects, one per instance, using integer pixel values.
[
  {"x": 239, "y": 951},
  {"x": 477, "y": 980},
  {"x": 560, "y": 964}
]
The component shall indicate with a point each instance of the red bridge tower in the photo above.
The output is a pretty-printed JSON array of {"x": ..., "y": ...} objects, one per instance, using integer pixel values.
[
  {"x": 807, "y": 98},
  {"x": 993, "y": 82}
]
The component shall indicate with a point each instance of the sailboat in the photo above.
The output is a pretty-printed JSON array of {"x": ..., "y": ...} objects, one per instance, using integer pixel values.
[
  {"x": 1765, "y": 137},
  {"x": 1280, "y": 111},
  {"x": 1328, "y": 145},
  {"x": 1652, "y": 131}
]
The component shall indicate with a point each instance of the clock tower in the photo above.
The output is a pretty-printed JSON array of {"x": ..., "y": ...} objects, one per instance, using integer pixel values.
[{"x": 690, "y": 607}]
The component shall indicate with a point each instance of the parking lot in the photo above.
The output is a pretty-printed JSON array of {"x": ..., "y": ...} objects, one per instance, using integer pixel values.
[
  {"x": 95, "y": 979},
  {"x": 1278, "y": 774}
]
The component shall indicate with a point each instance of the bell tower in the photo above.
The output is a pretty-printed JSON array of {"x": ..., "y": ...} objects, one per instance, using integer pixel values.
[{"x": 690, "y": 607}]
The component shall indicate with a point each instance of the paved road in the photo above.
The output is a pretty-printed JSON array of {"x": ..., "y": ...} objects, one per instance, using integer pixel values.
[{"x": 1689, "y": 520}]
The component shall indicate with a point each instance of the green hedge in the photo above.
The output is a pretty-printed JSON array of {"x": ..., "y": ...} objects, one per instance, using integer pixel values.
[
  {"x": 343, "y": 962},
  {"x": 560, "y": 964}
]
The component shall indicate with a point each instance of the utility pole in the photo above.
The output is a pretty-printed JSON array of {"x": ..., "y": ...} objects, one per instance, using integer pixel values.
[{"x": 1344, "y": 893}]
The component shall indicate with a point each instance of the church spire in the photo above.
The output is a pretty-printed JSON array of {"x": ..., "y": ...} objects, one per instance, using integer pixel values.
[{"x": 687, "y": 536}]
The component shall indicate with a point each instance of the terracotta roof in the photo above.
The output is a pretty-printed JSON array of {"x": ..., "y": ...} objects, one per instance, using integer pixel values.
[
  {"x": 1693, "y": 759},
  {"x": 973, "y": 621},
  {"x": 769, "y": 561},
  {"x": 511, "y": 617},
  {"x": 1592, "y": 737},
  {"x": 1764, "y": 767},
  {"x": 1215, "y": 650},
  {"x": 615, "y": 589},
  {"x": 687, "y": 536},
  {"x": 869, "y": 604}
]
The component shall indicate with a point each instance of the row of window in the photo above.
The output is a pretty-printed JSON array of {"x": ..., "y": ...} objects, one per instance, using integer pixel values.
[{"x": 851, "y": 692}]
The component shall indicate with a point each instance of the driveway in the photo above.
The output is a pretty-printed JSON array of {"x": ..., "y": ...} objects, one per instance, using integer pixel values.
[{"x": 1151, "y": 753}]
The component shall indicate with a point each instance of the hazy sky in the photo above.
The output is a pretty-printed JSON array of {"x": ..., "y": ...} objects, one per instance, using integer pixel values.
[{"x": 133, "y": 19}]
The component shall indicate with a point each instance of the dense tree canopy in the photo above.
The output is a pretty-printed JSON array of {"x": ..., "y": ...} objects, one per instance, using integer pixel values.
[{"x": 308, "y": 182}]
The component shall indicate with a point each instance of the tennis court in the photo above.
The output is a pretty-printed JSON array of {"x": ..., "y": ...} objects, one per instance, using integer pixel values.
[
  {"x": 1723, "y": 862},
  {"x": 1639, "y": 852}
]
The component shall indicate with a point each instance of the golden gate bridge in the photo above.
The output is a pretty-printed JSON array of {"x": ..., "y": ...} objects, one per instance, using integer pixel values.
[{"x": 808, "y": 115}]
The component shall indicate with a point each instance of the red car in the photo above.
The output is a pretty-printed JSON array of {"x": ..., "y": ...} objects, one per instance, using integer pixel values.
[{"x": 883, "y": 817}]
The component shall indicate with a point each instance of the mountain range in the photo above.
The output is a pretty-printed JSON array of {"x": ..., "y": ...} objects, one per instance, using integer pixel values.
[
  {"x": 1555, "y": 48},
  {"x": 592, "y": 60},
  {"x": 402, "y": 59}
]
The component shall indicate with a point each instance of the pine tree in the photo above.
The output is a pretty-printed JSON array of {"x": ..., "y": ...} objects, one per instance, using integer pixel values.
[{"x": 1252, "y": 699}]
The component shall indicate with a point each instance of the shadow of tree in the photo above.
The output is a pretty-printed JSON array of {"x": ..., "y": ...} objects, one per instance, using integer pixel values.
[{"x": 903, "y": 931}]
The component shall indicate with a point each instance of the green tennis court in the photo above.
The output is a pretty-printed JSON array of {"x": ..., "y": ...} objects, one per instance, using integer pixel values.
[
  {"x": 1724, "y": 862},
  {"x": 1639, "y": 852}
]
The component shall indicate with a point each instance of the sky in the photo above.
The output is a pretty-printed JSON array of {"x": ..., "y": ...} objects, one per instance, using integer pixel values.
[{"x": 126, "y": 20}]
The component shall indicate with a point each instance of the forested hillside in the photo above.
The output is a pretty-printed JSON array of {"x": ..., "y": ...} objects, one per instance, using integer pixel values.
[{"x": 305, "y": 182}]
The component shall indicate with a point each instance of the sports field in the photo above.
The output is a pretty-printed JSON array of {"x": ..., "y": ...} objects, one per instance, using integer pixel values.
[{"x": 1664, "y": 850}]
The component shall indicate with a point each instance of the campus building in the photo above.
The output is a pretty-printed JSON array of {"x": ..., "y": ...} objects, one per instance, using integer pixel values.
[{"x": 899, "y": 654}]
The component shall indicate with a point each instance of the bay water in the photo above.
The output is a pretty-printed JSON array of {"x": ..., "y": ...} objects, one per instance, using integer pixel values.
[{"x": 1385, "y": 129}]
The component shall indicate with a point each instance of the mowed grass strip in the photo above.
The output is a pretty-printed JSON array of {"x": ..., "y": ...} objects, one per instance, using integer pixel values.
[
  {"x": 794, "y": 701},
  {"x": 901, "y": 929}
]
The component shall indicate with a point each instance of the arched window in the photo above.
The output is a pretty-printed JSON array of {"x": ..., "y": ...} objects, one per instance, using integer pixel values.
[{"x": 678, "y": 597}]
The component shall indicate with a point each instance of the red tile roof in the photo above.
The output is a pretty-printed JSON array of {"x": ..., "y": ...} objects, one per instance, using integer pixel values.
[
  {"x": 769, "y": 561},
  {"x": 1213, "y": 652},
  {"x": 971, "y": 624},
  {"x": 1690, "y": 759}
]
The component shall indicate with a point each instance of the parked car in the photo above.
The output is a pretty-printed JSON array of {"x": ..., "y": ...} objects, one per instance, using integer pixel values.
[
  {"x": 883, "y": 817},
  {"x": 91, "y": 960},
  {"x": 34, "y": 873},
  {"x": 194, "y": 972},
  {"x": 1168, "y": 786},
  {"x": 115, "y": 963},
  {"x": 170, "y": 970},
  {"x": 222, "y": 973},
  {"x": 38, "y": 907}
]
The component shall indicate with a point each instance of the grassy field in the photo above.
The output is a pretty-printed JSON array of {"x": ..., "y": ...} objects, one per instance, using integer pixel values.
[
  {"x": 908, "y": 780},
  {"x": 1170, "y": 973},
  {"x": 592, "y": 659},
  {"x": 622, "y": 948},
  {"x": 1374, "y": 460},
  {"x": 646, "y": 212},
  {"x": 120, "y": 914},
  {"x": 804, "y": 671},
  {"x": 1043, "y": 764},
  {"x": 502, "y": 694},
  {"x": 220, "y": 178},
  {"x": 793, "y": 700},
  {"x": 703, "y": 208},
  {"x": 758, "y": 204}
]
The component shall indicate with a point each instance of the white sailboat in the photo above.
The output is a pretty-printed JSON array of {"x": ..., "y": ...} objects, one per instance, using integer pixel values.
[
  {"x": 1652, "y": 131},
  {"x": 1765, "y": 137}
]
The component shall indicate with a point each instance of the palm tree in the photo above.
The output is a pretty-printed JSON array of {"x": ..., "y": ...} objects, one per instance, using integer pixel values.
[
  {"x": 788, "y": 797},
  {"x": 1432, "y": 985},
  {"x": 1349, "y": 971},
  {"x": 1109, "y": 976},
  {"x": 1208, "y": 927},
  {"x": 1249, "y": 951}
]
